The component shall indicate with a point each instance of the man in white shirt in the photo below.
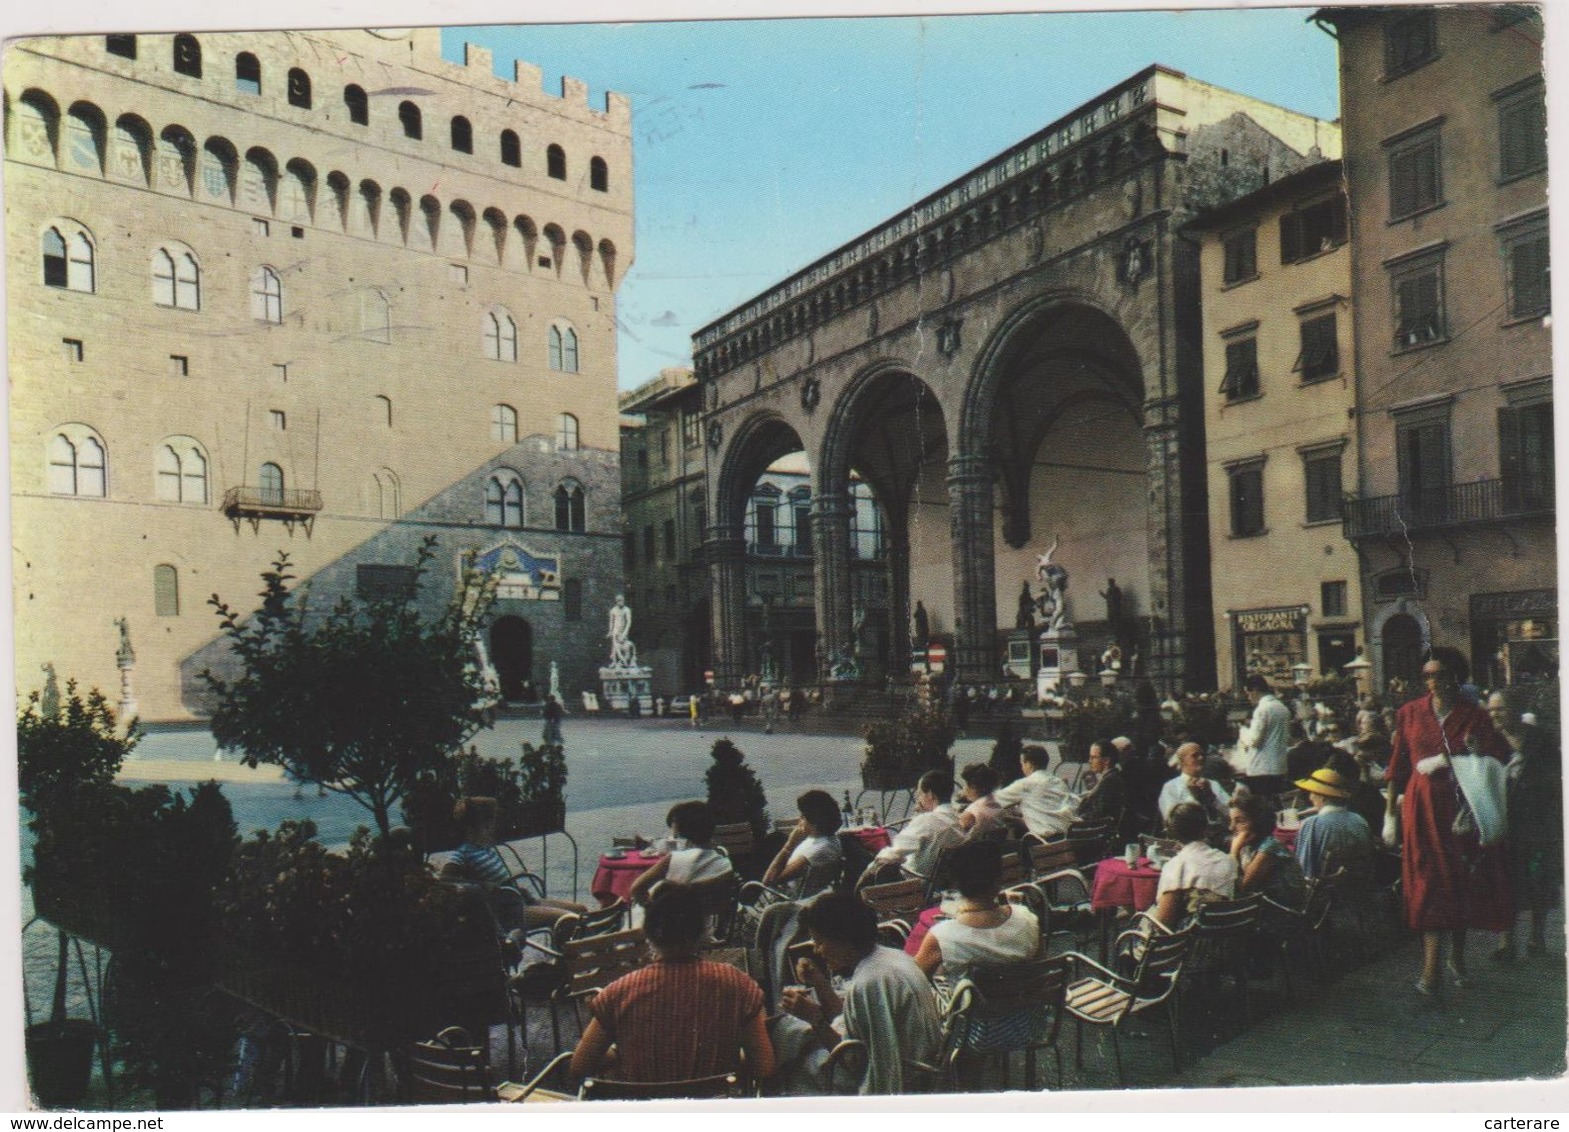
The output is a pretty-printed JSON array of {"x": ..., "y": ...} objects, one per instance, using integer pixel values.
[
  {"x": 1044, "y": 801},
  {"x": 934, "y": 827},
  {"x": 1197, "y": 865},
  {"x": 1192, "y": 786},
  {"x": 1262, "y": 742}
]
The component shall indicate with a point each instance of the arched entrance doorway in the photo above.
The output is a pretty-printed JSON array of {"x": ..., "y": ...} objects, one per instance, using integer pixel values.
[
  {"x": 512, "y": 652},
  {"x": 1402, "y": 647}
]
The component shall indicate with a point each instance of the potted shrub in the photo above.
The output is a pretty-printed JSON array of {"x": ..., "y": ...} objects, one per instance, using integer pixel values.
[
  {"x": 734, "y": 792},
  {"x": 900, "y": 750},
  {"x": 542, "y": 807}
]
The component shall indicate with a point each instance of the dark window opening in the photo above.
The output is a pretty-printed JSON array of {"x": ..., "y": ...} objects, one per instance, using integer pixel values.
[
  {"x": 187, "y": 56},
  {"x": 1525, "y": 457},
  {"x": 1530, "y": 290},
  {"x": 670, "y": 540},
  {"x": 1241, "y": 256},
  {"x": 1522, "y": 134},
  {"x": 1320, "y": 354},
  {"x": 572, "y": 599},
  {"x": 1332, "y": 599},
  {"x": 384, "y": 583},
  {"x": 1241, "y": 378},
  {"x": 511, "y": 151},
  {"x": 598, "y": 175},
  {"x": 1422, "y": 454},
  {"x": 1322, "y": 476},
  {"x": 121, "y": 45},
  {"x": 462, "y": 135},
  {"x": 1247, "y": 501},
  {"x": 299, "y": 89},
  {"x": 1419, "y": 309},
  {"x": 247, "y": 73},
  {"x": 413, "y": 124},
  {"x": 556, "y": 162},
  {"x": 1409, "y": 41},
  {"x": 359, "y": 106},
  {"x": 1312, "y": 230}
]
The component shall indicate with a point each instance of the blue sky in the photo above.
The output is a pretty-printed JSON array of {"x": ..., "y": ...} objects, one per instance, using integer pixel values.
[{"x": 761, "y": 144}]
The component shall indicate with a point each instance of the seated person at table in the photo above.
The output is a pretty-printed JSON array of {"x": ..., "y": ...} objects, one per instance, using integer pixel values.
[
  {"x": 887, "y": 1002},
  {"x": 982, "y": 931},
  {"x": 1332, "y": 828},
  {"x": 1198, "y": 869},
  {"x": 476, "y": 861},
  {"x": 1191, "y": 785},
  {"x": 692, "y": 822},
  {"x": 812, "y": 845},
  {"x": 681, "y": 1016},
  {"x": 1104, "y": 790},
  {"x": 1043, "y": 799},
  {"x": 982, "y": 819},
  {"x": 1367, "y": 797},
  {"x": 1263, "y": 864},
  {"x": 934, "y": 827}
]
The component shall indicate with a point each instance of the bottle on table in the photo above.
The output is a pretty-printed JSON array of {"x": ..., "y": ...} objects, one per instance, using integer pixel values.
[{"x": 847, "y": 812}]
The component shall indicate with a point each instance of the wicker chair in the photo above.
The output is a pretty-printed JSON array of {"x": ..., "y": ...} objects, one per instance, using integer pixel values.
[{"x": 1030, "y": 993}]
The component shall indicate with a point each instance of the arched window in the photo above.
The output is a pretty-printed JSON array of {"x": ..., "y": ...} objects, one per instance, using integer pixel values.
[
  {"x": 78, "y": 464},
  {"x": 556, "y": 162},
  {"x": 299, "y": 88},
  {"x": 501, "y": 337},
  {"x": 384, "y": 409},
  {"x": 387, "y": 494},
  {"x": 266, "y": 296},
  {"x": 269, "y": 481},
  {"x": 36, "y": 130},
  {"x": 599, "y": 175},
  {"x": 297, "y": 192},
  {"x": 247, "y": 73},
  {"x": 566, "y": 433},
  {"x": 187, "y": 56},
  {"x": 563, "y": 349},
  {"x": 511, "y": 151},
  {"x": 219, "y": 165},
  {"x": 121, "y": 45},
  {"x": 359, "y": 106},
  {"x": 259, "y": 181},
  {"x": 181, "y": 471},
  {"x": 462, "y": 135},
  {"x": 504, "y": 499},
  {"x": 68, "y": 259},
  {"x": 177, "y": 280},
  {"x": 504, "y": 424},
  {"x": 570, "y": 508},
  {"x": 130, "y": 153},
  {"x": 176, "y": 159},
  {"x": 166, "y": 590},
  {"x": 413, "y": 124}
]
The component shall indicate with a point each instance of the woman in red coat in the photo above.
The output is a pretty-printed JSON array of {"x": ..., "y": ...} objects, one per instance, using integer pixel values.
[{"x": 1450, "y": 882}]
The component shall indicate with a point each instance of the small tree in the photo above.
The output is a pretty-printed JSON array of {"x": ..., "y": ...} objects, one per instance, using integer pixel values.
[
  {"x": 734, "y": 793},
  {"x": 361, "y": 700}
]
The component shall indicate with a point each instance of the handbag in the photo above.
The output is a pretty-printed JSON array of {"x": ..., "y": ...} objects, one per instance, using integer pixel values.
[{"x": 1481, "y": 796}]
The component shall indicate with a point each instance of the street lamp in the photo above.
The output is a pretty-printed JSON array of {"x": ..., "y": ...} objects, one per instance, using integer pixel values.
[
  {"x": 1300, "y": 672},
  {"x": 1358, "y": 668}
]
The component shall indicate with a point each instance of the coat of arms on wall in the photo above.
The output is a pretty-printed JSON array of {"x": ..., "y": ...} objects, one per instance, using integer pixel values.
[{"x": 522, "y": 574}]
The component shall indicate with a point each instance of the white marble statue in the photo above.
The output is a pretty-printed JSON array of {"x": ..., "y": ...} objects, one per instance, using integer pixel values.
[
  {"x": 1054, "y": 601},
  {"x": 623, "y": 653}
]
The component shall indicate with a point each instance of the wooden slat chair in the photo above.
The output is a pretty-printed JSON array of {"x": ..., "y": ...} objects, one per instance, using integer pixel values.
[
  {"x": 449, "y": 1069},
  {"x": 720, "y": 1085},
  {"x": 736, "y": 839},
  {"x": 542, "y": 981},
  {"x": 845, "y": 1070},
  {"x": 1013, "y": 870},
  {"x": 938, "y": 878},
  {"x": 592, "y": 964},
  {"x": 1305, "y": 930},
  {"x": 897, "y": 905},
  {"x": 1223, "y": 933},
  {"x": 997, "y": 1011},
  {"x": 1054, "y": 870},
  {"x": 1099, "y": 996}
]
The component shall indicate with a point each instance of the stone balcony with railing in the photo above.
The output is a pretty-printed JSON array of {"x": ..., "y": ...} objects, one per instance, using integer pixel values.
[
  {"x": 1442, "y": 509},
  {"x": 289, "y": 505}
]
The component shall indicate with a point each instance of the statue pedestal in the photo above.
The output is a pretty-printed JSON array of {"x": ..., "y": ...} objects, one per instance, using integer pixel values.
[
  {"x": 1021, "y": 654},
  {"x": 620, "y": 683},
  {"x": 1059, "y": 659}
]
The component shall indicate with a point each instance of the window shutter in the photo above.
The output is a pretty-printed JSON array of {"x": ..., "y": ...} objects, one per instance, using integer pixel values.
[
  {"x": 1529, "y": 268},
  {"x": 1509, "y": 463},
  {"x": 1290, "y": 239}
]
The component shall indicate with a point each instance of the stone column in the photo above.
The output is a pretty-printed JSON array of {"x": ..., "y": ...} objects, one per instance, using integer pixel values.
[
  {"x": 831, "y": 577},
  {"x": 1163, "y": 618},
  {"x": 974, "y": 576},
  {"x": 725, "y": 554},
  {"x": 899, "y": 608}
]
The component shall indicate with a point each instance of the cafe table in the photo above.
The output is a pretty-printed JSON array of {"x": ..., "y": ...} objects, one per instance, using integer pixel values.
[
  {"x": 614, "y": 877},
  {"x": 1119, "y": 885},
  {"x": 1287, "y": 837},
  {"x": 923, "y": 925},
  {"x": 871, "y": 837}
]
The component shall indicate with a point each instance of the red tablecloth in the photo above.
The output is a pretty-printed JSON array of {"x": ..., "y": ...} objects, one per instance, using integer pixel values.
[
  {"x": 871, "y": 837},
  {"x": 1117, "y": 886},
  {"x": 1287, "y": 837},
  {"x": 613, "y": 879},
  {"x": 918, "y": 930}
]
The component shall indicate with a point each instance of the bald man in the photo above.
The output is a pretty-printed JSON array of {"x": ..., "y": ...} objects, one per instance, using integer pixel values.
[{"x": 1191, "y": 786}]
